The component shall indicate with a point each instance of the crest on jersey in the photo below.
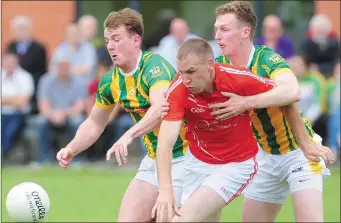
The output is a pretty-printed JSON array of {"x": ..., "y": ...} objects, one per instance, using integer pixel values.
[
  {"x": 155, "y": 71},
  {"x": 275, "y": 58}
]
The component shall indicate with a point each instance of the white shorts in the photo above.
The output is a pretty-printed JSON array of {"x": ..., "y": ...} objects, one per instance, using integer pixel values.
[
  {"x": 228, "y": 180},
  {"x": 279, "y": 175},
  {"x": 147, "y": 172}
]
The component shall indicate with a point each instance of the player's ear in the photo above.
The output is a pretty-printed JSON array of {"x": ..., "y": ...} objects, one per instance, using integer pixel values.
[
  {"x": 137, "y": 40},
  {"x": 211, "y": 64},
  {"x": 246, "y": 32}
]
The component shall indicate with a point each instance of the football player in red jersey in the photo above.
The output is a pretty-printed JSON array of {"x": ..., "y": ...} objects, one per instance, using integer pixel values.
[{"x": 220, "y": 162}]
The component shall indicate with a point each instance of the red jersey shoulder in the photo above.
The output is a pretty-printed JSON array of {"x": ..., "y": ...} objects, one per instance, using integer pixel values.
[
  {"x": 230, "y": 69},
  {"x": 176, "y": 87},
  {"x": 227, "y": 71},
  {"x": 229, "y": 78}
]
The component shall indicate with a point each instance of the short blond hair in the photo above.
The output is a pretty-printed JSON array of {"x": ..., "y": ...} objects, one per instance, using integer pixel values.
[
  {"x": 195, "y": 46},
  {"x": 127, "y": 17},
  {"x": 243, "y": 11}
]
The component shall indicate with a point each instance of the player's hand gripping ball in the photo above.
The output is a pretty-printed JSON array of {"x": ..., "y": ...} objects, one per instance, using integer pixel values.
[{"x": 28, "y": 202}]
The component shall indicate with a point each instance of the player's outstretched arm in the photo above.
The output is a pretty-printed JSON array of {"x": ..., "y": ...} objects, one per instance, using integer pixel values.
[
  {"x": 87, "y": 134},
  {"x": 168, "y": 135},
  {"x": 310, "y": 149}
]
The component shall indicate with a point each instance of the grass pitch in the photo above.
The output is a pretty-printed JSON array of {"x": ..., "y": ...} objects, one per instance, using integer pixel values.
[{"x": 92, "y": 195}]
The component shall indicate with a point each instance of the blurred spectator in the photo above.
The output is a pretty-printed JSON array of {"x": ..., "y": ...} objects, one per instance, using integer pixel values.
[
  {"x": 32, "y": 54},
  {"x": 17, "y": 90},
  {"x": 313, "y": 91},
  {"x": 334, "y": 117},
  {"x": 274, "y": 38},
  {"x": 61, "y": 100},
  {"x": 169, "y": 45},
  {"x": 160, "y": 29},
  {"x": 82, "y": 53},
  {"x": 88, "y": 26},
  {"x": 321, "y": 46}
]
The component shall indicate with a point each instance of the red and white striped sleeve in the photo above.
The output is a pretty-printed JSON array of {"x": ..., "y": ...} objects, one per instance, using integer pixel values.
[{"x": 248, "y": 82}]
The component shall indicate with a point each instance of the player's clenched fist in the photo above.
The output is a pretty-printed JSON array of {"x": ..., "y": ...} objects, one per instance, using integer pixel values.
[{"x": 64, "y": 157}]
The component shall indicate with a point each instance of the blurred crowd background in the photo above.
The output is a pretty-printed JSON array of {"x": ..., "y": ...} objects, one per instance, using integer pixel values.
[{"x": 53, "y": 56}]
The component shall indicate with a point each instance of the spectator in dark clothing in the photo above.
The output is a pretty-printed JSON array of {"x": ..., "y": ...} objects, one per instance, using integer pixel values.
[
  {"x": 31, "y": 53},
  {"x": 274, "y": 38},
  {"x": 321, "y": 46}
]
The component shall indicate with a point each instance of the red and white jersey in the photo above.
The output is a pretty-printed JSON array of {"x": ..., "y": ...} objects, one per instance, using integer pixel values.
[{"x": 210, "y": 140}]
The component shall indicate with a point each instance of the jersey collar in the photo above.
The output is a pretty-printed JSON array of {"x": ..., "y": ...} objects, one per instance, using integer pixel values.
[
  {"x": 248, "y": 66},
  {"x": 135, "y": 69}
]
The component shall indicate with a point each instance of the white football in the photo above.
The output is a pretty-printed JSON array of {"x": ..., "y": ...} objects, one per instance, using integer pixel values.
[{"x": 28, "y": 202}]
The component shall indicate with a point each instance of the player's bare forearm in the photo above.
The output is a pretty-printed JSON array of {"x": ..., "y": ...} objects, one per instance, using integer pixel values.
[
  {"x": 164, "y": 165},
  {"x": 286, "y": 92},
  {"x": 294, "y": 118},
  {"x": 89, "y": 131},
  {"x": 152, "y": 118},
  {"x": 168, "y": 134},
  {"x": 148, "y": 123},
  {"x": 312, "y": 150}
]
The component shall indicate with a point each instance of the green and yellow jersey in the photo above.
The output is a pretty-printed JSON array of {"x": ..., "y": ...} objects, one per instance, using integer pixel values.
[
  {"x": 132, "y": 92},
  {"x": 270, "y": 127},
  {"x": 318, "y": 83}
]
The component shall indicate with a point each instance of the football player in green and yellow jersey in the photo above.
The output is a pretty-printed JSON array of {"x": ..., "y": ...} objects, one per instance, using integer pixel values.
[
  {"x": 137, "y": 82},
  {"x": 289, "y": 158}
]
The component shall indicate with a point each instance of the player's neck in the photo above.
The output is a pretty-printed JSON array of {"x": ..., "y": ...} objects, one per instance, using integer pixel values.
[
  {"x": 132, "y": 64},
  {"x": 241, "y": 58}
]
